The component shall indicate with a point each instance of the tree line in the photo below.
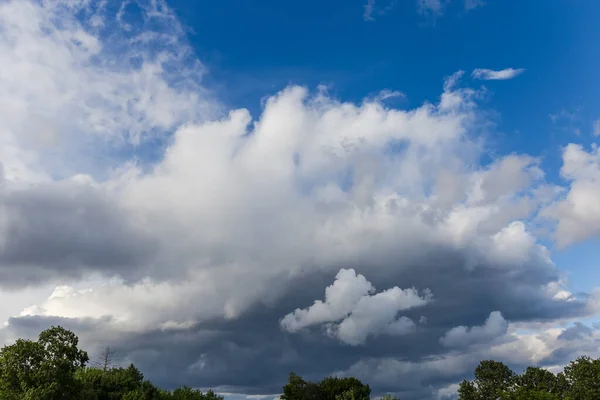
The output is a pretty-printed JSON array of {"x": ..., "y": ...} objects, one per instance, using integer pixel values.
[
  {"x": 54, "y": 368},
  {"x": 580, "y": 380}
]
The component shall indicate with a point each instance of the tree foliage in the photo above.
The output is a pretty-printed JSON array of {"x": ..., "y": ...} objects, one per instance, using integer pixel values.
[
  {"x": 494, "y": 380},
  {"x": 54, "y": 368},
  {"x": 44, "y": 369},
  {"x": 330, "y": 388}
]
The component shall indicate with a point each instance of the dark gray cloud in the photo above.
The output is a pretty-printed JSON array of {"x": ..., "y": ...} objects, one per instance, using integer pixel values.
[
  {"x": 577, "y": 331},
  {"x": 65, "y": 230},
  {"x": 252, "y": 355}
]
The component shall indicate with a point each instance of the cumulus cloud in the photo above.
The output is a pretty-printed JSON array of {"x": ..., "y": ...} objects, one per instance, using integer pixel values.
[
  {"x": 60, "y": 229},
  {"x": 353, "y": 311},
  {"x": 547, "y": 347},
  {"x": 495, "y": 325},
  {"x": 577, "y": 331},
  {"x": 578, "y": 213},
  {"x": 186, "y": 260},
  {"x": 489, "y": 74}
]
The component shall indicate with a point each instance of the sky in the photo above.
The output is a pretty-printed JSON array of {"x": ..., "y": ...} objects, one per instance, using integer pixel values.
[{"x": 225, "y": 192}]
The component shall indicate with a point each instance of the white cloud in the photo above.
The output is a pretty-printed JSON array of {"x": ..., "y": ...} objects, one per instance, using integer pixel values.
[
  {"x": 86, "y": 90},
  {"x": 518, "y": 350},
  {"x": 352, "y": 311},
  {"x": 448, "y": 392},
  {"x": 389, "y": 94},
  {"x": 578, "y": 213},
  {"x": 233, "y": 202},
  {"x": 495, "y": 326},
  {"x": 340, "y": 298},
  {"x": 488, "y": 74}
]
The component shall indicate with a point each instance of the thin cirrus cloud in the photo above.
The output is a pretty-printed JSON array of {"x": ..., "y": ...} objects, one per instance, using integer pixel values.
[
  {"x": 596, "y": 128},
  {"x": 436, "y": 8},
  {"x": 373, "y": 10},
  {"x": 489, "y": 74}
]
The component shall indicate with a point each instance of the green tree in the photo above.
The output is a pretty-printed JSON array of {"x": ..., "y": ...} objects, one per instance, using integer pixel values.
[
  {"x": 61, "y": 360},
  {"x": 20, "y": 367},
  {"x": 330, "y": 388},
  {"x": 186, "y": 393},
  {"x": 44, "y": 369},
  {"x": 299, "y": 389},
  {"x": 493, "y": 380},
  {"x": 536, "y": 379},
  {"x": 54, "y": 368},
  {"x": 583, "y": 377},
  {"x": 467, "y": 391},
  {"x": 333, "y": 387},
  {"x": 111, "y": 384}
]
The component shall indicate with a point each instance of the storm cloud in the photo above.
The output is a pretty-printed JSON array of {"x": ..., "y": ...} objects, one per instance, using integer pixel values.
[{"x": 207, "y": 266}]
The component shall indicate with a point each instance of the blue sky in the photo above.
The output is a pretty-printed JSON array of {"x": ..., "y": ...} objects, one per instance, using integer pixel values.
[
  {"x": 228, "y": 191},
  {"x": 254, "y": 48}
]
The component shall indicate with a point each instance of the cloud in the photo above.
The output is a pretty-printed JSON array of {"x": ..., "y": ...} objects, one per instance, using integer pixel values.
[
  {"x": 566, "y": 121},
  {"x": 430, "y": 7},
  {"x": 138, "y": 211},
  {"x": 352, "y": 311},
  {"x": 89, "y": 94},
  {"x": 495, "y": 325},
  {"x": 546, "y": 348},
  {"x": 372, "y": 10},
  {"x": 577, "y": 331},
  {"x": 472, "y": 4},
  {"x": 437, "y": 8},
  {"x": 448, "y": 392},
  {"x": 388, "y": 94},
  {"x": 488, "y": 74},
  {"x": 368, "y": 15},
  {"x": 564, "y": 116},
  {"x": 58, "y": 230},
  {"x": 577, "y": 214},
  {"x": 596, "y": 128}
]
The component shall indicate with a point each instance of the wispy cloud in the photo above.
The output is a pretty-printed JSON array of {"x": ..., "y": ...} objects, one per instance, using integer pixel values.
[
  {"x": 430, "y": 7},
  {"x": 490, "y": 74},
  {"x": 371, "y": 10},
  {"x": 596, "y": 127},
  {"x": 564, "y": 115},
  {"x": 567, "y": 121},
  {"x": 388, "y": 94},
  {"x": 473, "y": 4},
  {"x": 368, "y": 15},
  {"x": 436, "y": 8}
]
